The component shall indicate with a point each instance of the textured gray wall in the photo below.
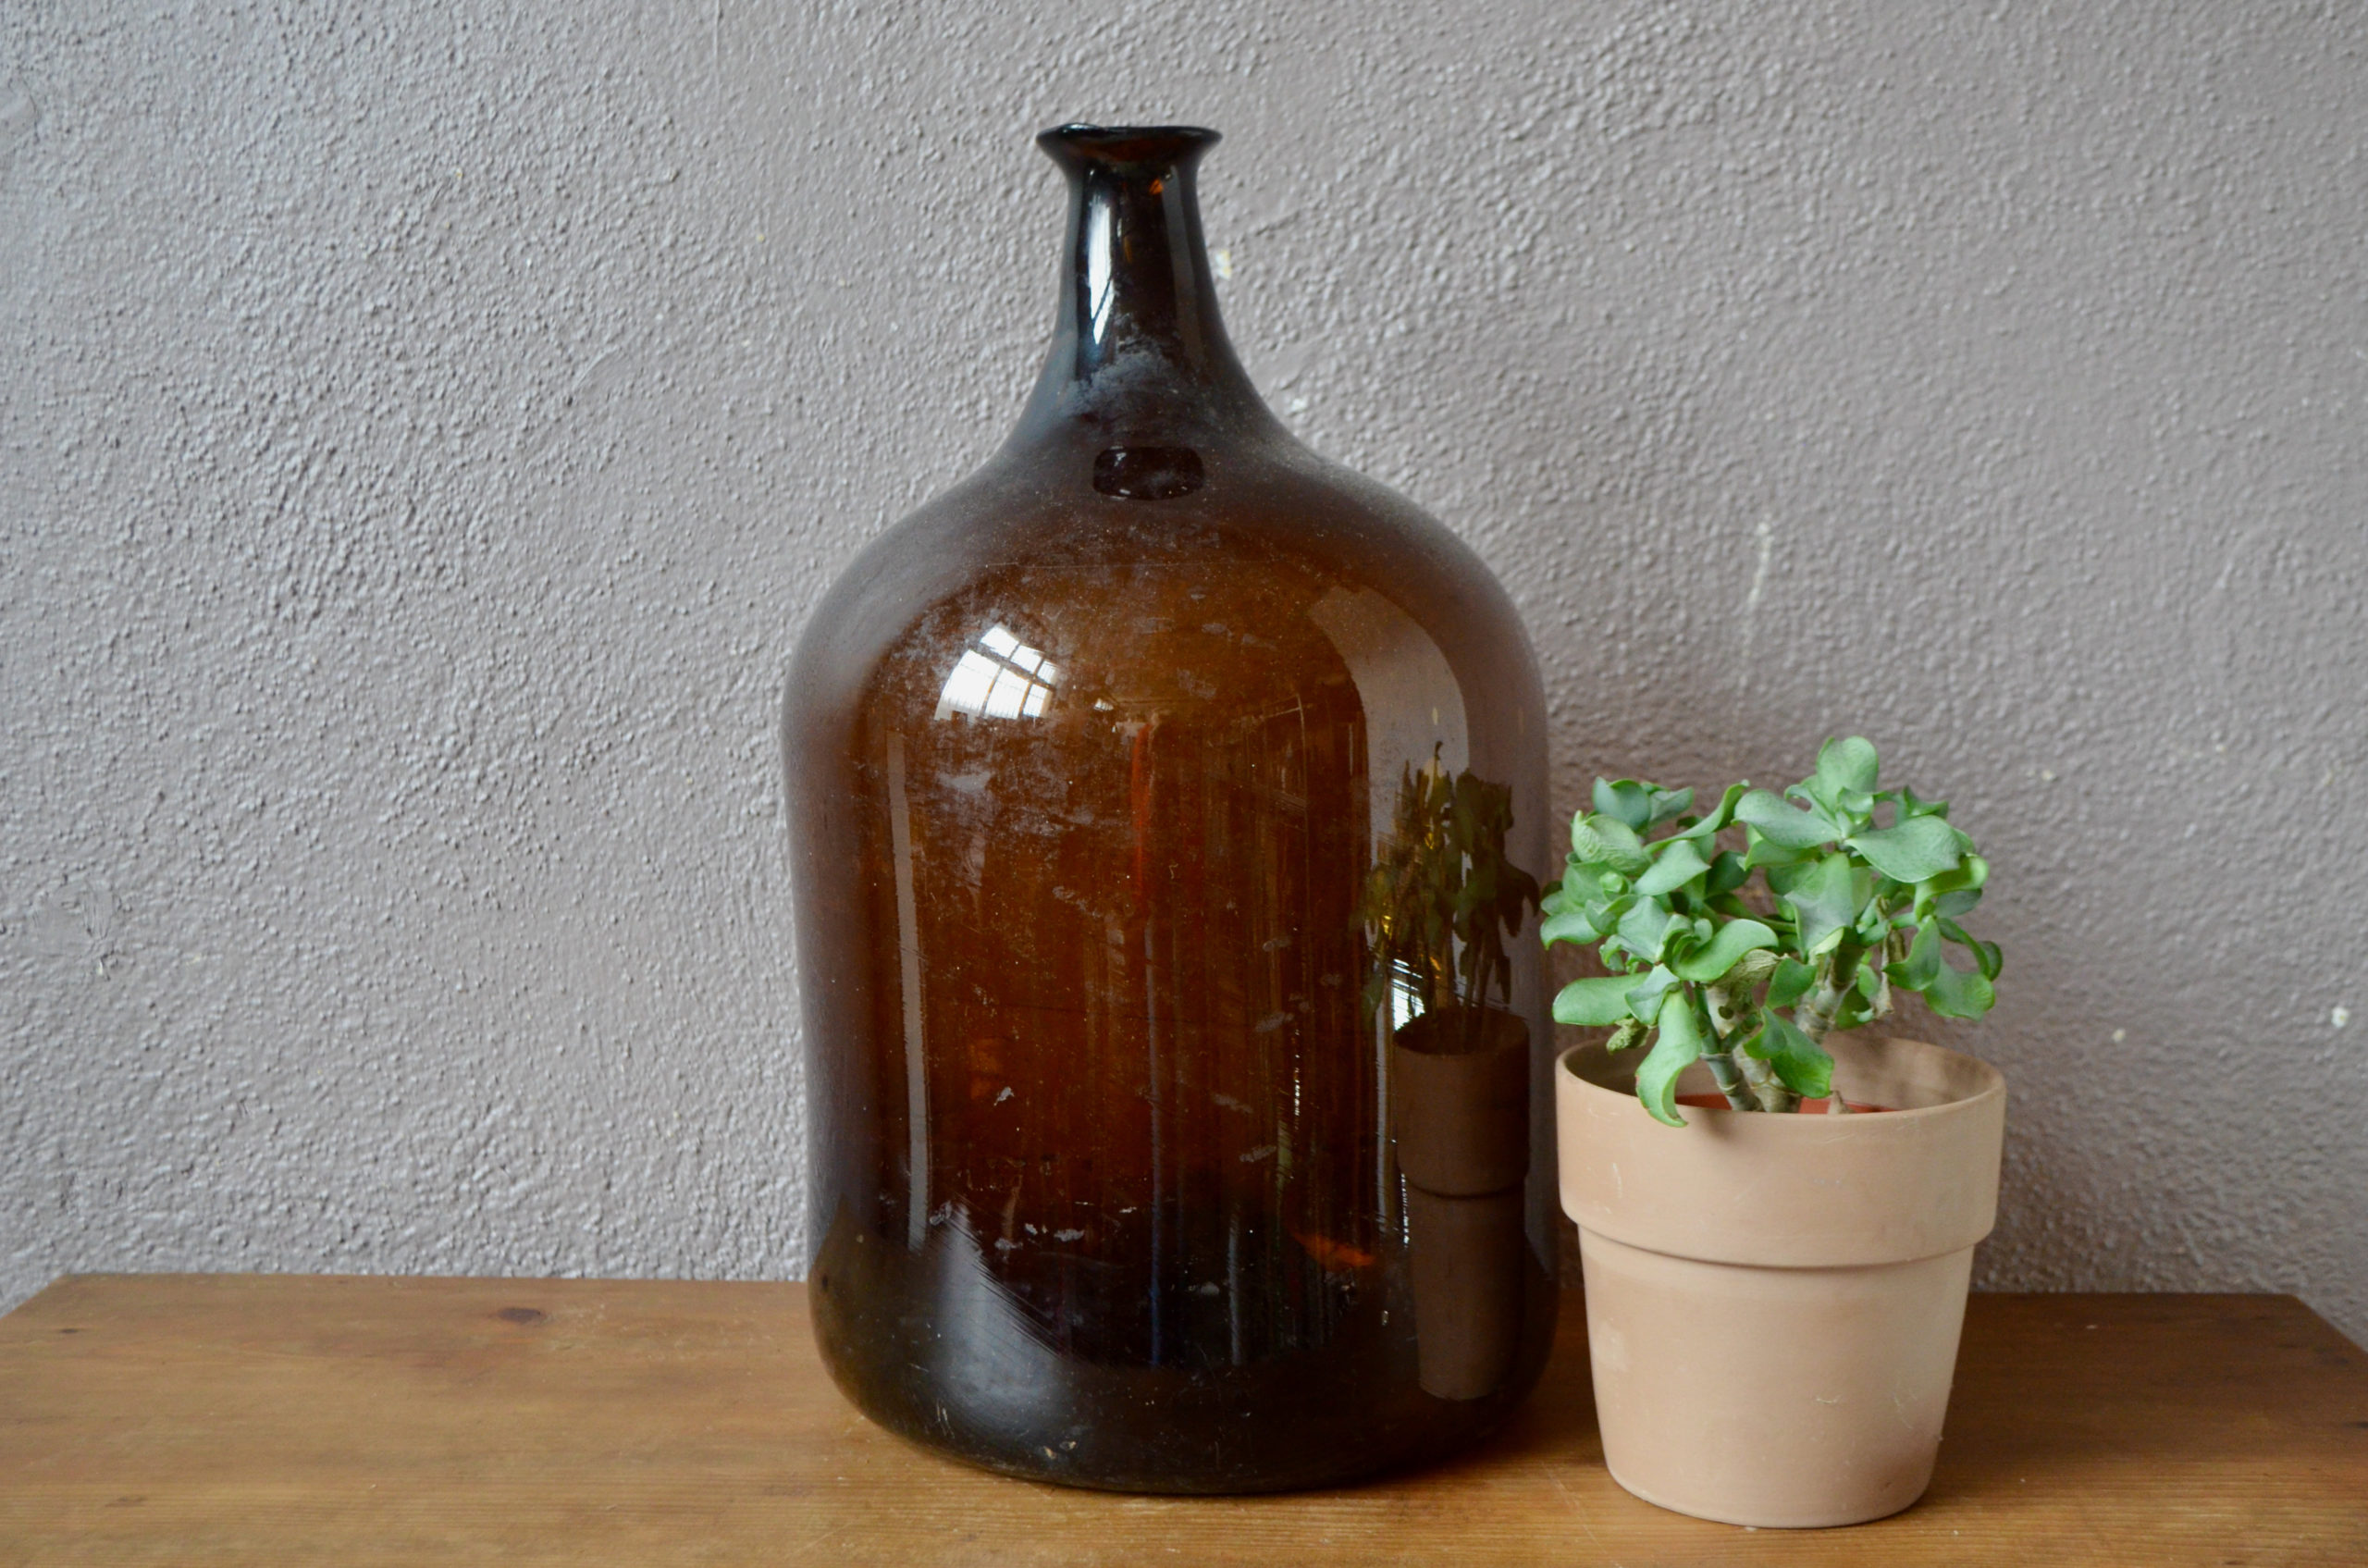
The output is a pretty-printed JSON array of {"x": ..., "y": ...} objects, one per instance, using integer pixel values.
[{"x": 423, "y": 431}]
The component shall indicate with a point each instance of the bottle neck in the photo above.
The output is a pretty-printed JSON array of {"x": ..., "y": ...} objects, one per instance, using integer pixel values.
[{"x": 1137, "y": 348}]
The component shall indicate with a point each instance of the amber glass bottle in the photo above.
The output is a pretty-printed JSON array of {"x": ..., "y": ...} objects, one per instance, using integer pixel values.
[{"x": 1165, "y": 801}]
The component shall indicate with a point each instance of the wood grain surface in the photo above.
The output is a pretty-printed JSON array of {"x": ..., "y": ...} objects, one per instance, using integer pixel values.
[{"x": 219, "y": 1419}]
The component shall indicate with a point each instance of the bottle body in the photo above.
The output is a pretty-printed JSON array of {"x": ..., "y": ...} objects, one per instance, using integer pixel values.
[{"x": 1091, "y": 763}]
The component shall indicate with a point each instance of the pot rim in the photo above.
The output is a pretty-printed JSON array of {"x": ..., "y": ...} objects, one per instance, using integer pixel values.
[
  {"x": 1791, "y": 1192},
  {"x": 1993, "y": 1086}
]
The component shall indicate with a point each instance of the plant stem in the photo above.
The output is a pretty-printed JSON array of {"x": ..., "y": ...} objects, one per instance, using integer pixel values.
[
  {"x": 1723, "y": 1072},
  {"x": 1769, "y": 1090},
  {"x": 1814, "y": 1015},
  {"x": 1744, "y": 1081}
]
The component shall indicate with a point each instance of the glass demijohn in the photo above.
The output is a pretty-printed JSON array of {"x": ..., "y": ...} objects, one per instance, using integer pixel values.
[{"x": 1165, "y": 802}]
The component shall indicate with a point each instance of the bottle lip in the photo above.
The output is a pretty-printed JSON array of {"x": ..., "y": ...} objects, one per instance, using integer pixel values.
[{"x": 1079, "y": 143}]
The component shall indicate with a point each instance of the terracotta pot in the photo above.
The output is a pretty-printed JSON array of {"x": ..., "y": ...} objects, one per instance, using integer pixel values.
[
  {"x": 1773, "y": 1302},
  {"x": 1459, "y": 1100},
  {"x": 1465, "y": 1256},
  {"x": 1459, "y": 1110}
]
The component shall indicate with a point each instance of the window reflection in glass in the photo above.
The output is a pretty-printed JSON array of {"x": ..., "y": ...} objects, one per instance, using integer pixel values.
[{"x": 999, "y": 677}]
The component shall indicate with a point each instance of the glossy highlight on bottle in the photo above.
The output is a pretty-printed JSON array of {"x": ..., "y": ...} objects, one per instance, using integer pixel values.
[{"x": 1093, "y": 763}]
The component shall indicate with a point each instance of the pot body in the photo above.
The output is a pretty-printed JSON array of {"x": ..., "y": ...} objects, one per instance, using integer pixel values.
[
  {"x": 1090, "y": 761},
  {"x": 1774, "y": 1302},
  {"x": 1459, "y": 1110}
]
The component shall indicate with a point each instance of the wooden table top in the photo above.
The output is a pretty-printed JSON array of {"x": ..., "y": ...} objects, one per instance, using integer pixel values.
[{"x": 241, "y": 1418}]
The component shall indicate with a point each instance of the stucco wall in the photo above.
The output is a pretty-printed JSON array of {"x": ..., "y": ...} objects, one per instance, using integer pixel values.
[{"x": 422, "y": 432}]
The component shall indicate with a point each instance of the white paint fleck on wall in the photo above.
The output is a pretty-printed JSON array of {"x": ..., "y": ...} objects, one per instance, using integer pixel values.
[
  {"x": 1763, "y": 541},
  {"x": 420, "y": 445}
]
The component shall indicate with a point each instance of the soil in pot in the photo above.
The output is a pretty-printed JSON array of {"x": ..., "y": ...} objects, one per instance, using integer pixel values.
[{"x": 1806, "y": 1107}]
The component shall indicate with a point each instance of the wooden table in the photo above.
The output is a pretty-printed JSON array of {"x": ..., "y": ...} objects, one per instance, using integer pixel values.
[{"x": 241, "y": 1418}]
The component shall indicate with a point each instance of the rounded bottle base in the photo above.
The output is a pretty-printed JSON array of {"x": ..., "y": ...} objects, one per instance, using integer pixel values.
[{"x": 935, "y": 1352}]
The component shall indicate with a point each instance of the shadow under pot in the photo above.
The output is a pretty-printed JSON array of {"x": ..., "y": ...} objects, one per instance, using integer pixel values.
[{"x": 1460, "y": 1112}]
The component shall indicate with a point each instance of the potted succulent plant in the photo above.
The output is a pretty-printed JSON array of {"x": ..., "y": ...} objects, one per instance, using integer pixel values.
[{"x": 1774, "y": 1299}]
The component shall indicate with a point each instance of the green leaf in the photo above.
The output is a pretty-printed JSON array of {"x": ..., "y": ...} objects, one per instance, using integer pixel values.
[
  {"x": 1923, "y": 961},
  {"x": 1790, "y": 983},
  {"x": 1643, "y": 1001},
  {"x": 1645, "y": 930},
  {"x": 1625, "y": 800},
  {"x": 1824, "y": 903},
  {"x": 1971, "y": 872},
  {"x": 1803, "y": 1065},
  {"x": 1846, "y": 766},
  {"x": 1720, "y": 815},
  {"x": 1572, "y": 925},
  {"x": 1949, "y": 906},
  {"x": 1781, "y": 825},
  {"x": 1629, "y": 1035},
  {"x": 1873, "y": 923},
  {"x": 1913, "y": 850},
  {"x": 1984, "y": 953},
  {"x": 1593, "y": 1002},
  {"x": 1727, "y": 873},
  {"x": 1950, "y": 992},
  {"x": 1733, "y": 940},
  {"x": 1953, "y": 893},
  {"x": 1869, "y": 980},
  {"x": 1679, "y": 1047},
  {"x": 1761, "y": 850},
  {"x": 1752, "y": 968},
  {"x": 1909, "y": 806},
  {"x": 1954, "y": 995},
  {"x": 1680, "y": 863},
  {"x": 1580, "y": 881},
  {"x": 1607, "y": 841},
  {"x": 1668, "y": 803}
]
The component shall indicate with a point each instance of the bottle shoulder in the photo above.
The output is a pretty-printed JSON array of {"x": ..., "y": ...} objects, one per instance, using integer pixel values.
[{"x": 1280, "y": 559}]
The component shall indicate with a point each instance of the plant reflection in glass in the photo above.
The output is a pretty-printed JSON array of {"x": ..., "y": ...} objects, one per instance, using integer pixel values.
[
  {"x": 1437, "y": 905},
  {"x": 1441, "y": 897}
]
